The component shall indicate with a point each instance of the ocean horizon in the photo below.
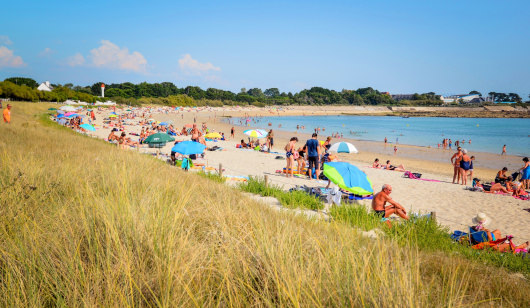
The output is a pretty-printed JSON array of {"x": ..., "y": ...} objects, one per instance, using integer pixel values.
[{"x": 486, "y": 134}]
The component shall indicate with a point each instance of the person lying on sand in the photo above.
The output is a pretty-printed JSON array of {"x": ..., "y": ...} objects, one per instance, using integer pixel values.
[
  {"x": 494, "y": 187},
  {"x": 381, "y": 198},
  {"x": 390, "y": 167}
]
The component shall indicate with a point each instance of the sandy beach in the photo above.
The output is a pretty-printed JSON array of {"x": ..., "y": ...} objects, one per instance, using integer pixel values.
[{"x": 454, "y": 206}]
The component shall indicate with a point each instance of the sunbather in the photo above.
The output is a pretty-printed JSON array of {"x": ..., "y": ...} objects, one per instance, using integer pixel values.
[
  {"x": 376, "y": 164},
  {"x": 381, "y": 198},
  {"x": 388, "y": 166},
  {"x": 493, "y": 188}
]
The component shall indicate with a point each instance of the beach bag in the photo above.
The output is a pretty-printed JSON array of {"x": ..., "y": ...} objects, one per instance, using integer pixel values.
[
  {"x": 296, "y": 155},
  {"x": 417, "y": 175}
]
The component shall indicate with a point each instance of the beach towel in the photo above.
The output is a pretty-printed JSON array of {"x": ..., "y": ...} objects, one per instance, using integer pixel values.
[{"x": 416, "y": 176}]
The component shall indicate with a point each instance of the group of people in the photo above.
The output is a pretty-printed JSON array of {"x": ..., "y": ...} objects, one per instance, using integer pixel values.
[
  {"x": 509, "y": 184},
  {"x": 462, "y": 166},
  {"x": 448, "y": 143},
  {"x": 388, "y": 166},
  {"x": 315, "y": 153}
]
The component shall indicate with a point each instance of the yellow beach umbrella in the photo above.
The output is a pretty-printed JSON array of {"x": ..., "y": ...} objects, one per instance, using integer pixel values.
[{"x": 113, "y": 116}]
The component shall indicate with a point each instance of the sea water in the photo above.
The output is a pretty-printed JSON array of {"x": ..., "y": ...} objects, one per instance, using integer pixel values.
[{"x": 486, "y": 134}]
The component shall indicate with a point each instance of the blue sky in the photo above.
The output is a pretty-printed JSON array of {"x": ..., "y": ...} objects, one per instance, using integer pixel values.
[{"x": 448, "y": 47}]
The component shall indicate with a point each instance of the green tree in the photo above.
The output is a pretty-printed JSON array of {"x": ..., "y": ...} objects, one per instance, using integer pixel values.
[
  {"x": 475, "y": 92},
  {"x": 272, "y": 92},
  {"x": 23, "y": 81}
]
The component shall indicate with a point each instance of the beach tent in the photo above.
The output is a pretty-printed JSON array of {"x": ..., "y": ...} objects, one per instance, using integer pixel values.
[
  {"x": 348, "y": 177},
  {"x": 343, "y": 147}
]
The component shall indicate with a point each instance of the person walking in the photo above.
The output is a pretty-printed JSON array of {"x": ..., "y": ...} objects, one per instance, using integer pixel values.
[
  {"x": 7, "y": 114},
  {"x": 503, "y": 150}
]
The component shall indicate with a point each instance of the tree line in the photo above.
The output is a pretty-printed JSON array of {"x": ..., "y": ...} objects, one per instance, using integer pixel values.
[{"x": 167, "y": 93}]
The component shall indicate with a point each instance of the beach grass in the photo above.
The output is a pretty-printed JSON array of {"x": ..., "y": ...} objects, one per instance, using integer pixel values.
[
  {"x": 427, "y": 235},
  {"x": 83, "y": 223},
  {"x": 291, "y": 200}
]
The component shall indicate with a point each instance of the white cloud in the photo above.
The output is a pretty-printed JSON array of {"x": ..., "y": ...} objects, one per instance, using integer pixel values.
[
  {"x": 4, "y": 39},
  {"x": 46, "y": 52},
  {"x": 194, "y": 67},
  {"x": 76, "y": 60},
  {"x": 110, "y": 55},
  {"x": 8, "y": 59}
]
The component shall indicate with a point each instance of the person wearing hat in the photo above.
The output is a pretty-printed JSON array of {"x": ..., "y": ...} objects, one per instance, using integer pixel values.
[{"x": 480, "y": 221}]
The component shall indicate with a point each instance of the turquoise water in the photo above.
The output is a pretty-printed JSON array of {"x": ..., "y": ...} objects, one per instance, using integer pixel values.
[{"x": 487, "y": 135}]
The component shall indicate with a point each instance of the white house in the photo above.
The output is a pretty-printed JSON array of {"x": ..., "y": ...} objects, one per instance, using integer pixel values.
[
  {"x": 45, "y": 86},
  {"x": 466, "y": 98}
]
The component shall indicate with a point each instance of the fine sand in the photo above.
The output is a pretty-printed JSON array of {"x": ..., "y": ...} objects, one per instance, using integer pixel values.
[{"x": 454, "y": 206}]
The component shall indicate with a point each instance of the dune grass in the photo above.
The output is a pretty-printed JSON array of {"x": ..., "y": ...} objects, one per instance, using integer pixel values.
[
  {"x": 292, "y": 200},
  {"x": 83, "y": 223}
]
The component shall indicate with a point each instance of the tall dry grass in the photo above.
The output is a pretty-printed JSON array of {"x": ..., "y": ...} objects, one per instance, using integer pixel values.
[{"x": 85, "y": 224}]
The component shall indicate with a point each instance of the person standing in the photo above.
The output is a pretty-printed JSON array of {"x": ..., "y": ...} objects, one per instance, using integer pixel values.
[
  {"x": 289, "y": 154},
  {"x": 7, "y": 114},
  {"x": 313, "y": 151},
  {"x": 386, "y": 140},
  {"x": 503, "y": 149},
  {"x": 465, "y": 165},
  {"x": 395, "y": 150},
  {"x": 232, "y": 131},
  {"x": 455, "y": 161},
  {"x": 270, "y": 140}
]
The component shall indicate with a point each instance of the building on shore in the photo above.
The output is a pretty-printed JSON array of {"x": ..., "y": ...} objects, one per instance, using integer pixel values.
[
  {"x": 466, "y": 99},
  {"x": 45, "y": 86}
]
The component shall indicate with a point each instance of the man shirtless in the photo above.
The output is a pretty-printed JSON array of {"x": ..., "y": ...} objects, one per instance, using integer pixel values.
[
  {"x": 381, "y": 198},
  {"x": 195, "y": 133},
  {"x": 455, "y": 160}
]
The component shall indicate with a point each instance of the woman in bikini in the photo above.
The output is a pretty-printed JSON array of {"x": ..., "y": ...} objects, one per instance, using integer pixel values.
[{"x": 289, "y": 154}]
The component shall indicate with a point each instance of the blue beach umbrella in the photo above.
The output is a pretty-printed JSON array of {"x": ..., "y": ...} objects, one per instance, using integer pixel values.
[
  {"x": 188, "y": 148},
  {"x": 60, "y": 116},
  {"x": 343, "y": 147},
  {"x": 88, "y": 127},
  {"x": 164, "y": 124},
  {"x": 348, "y": 177}
]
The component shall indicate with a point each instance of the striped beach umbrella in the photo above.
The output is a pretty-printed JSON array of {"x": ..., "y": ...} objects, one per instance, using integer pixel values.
[
  {"x": 256, "y": 133},
  {"x": 343, "y": 147},
  {"x": 348, "y": 177}
]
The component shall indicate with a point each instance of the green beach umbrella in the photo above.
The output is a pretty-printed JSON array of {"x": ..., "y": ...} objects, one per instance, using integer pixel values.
[
  {"x": 158, "y": 138},
  {"x": 348, "y": 177}
]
